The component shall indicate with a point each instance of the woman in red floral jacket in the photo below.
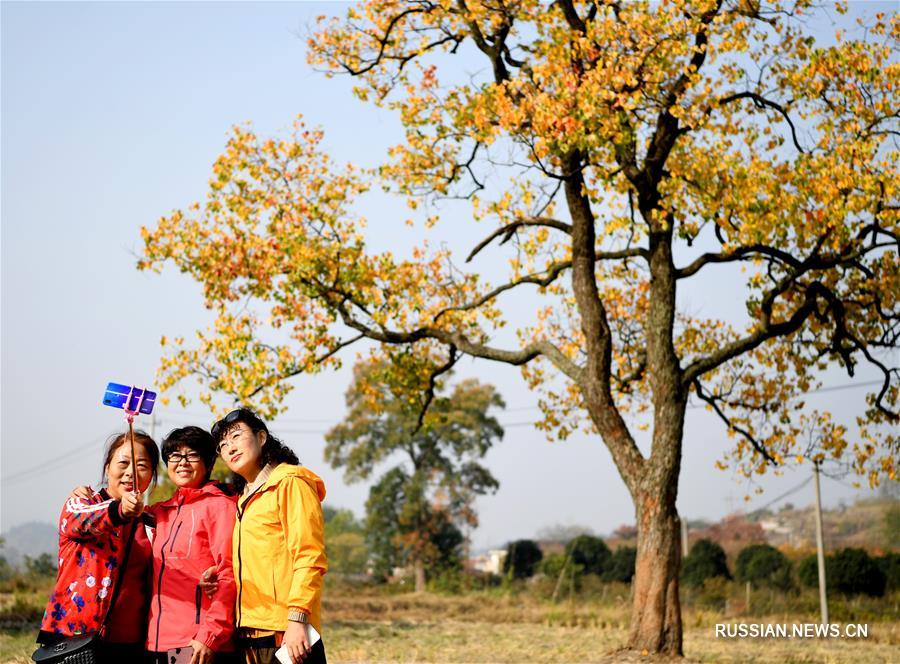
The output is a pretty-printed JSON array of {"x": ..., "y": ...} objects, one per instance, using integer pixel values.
[{"x": 94, "y": 539}]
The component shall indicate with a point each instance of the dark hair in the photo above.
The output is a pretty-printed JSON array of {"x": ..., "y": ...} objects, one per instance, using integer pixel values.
[
  {"x": 140, "y": 437},
  {"x": 274, "y": 451},
  {"x": 193, "y": 438}
]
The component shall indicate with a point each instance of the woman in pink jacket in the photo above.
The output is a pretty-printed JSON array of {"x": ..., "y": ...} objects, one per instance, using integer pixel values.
[{"x": 193, "y": 533}]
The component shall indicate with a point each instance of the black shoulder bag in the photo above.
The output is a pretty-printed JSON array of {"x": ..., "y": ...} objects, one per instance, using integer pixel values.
[{"x": 84, "y": 649}]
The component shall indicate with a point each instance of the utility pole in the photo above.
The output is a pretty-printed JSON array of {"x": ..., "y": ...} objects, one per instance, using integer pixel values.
[
  {"x": 684, "y": 538},
  {"x": 820, "y": 548}
]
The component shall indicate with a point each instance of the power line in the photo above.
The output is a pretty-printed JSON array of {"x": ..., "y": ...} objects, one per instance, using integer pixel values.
[
  {"x": 51, "y": 464},
  {"x": 175, "y": 416},
  {"x": 784, "y": 495}
]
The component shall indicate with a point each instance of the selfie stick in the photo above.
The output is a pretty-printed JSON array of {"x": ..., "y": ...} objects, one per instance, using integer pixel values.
[{"x": 129, "y": 417}]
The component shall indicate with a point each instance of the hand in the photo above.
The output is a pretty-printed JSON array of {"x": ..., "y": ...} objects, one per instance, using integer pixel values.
[
  {"x": 209, "y": 581},
  {"x": 203, "y": 654},
  {"x": 83, "y": 492},
  {"x": 296, "y": 638},
  {"x": 131, "y": 505}
]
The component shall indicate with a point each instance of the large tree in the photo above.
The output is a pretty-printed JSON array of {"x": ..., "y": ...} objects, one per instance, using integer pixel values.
[
  {"x": 415, "y": 506},
  {"x": 677, "y": 139}
]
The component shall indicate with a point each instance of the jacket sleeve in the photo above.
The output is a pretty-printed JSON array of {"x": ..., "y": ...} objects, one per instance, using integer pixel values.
[
  {"x": 83, "y": 521},
  {"x": 218, "y": 624},
  {"x": 304, "y": 527}
]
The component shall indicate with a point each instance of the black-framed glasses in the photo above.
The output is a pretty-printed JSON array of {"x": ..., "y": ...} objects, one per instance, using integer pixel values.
[{"x": 177, "y": 457}]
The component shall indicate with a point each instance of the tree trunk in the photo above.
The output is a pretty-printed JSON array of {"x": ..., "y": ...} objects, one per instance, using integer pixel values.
[
  {"x": 419, "y": 568},
  {"x": 656, "y": 611}
]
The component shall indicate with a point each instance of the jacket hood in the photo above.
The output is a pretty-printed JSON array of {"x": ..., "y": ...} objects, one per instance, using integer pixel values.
[{"x": 283, "y": 470}]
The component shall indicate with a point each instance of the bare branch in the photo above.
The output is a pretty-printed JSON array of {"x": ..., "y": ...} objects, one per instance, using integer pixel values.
[
  {"x": 738, "y": 254},
  {"x": 761, "y": 102},
  {"x": 711, "y": 400},
  {"x": 296, "y": 372},
  {"x": 429, "y": 393},
  {"x": 508, "y": 231}
]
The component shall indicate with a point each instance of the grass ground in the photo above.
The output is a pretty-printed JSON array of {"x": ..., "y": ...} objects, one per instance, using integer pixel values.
[{"x": 368, "y": 625}]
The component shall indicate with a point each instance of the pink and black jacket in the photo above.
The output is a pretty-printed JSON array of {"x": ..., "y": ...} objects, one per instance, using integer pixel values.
[{"x": 92, "y": 543}]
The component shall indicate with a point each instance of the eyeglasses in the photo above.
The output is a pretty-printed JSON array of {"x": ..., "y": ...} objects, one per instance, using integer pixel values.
[
  {"x": 232, "y": 438},
  {"x": 177, "y": 457}
]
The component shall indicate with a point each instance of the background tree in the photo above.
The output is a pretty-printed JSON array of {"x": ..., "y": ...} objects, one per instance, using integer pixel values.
[
  {"x": 763, "y": 565},
  {"x": 621, "y": 565},
  {"x": 413, "y": 509},
  {"x": 849, "y": 571},
  {"x": 705, "y": 561},
  {"x": 677, "y": 139},
  {"x": 889, "y": 564},
  {"x": 345, "y": 542},
  {"x": 522, "y": 559},
  {"x": 852, "y": 571},
  {"x": 590, "y": 552}
]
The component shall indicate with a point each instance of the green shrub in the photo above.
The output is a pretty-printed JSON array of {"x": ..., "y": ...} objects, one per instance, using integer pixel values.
[
  {"x": 621, "y": 565},
  {"x": 764, "y": 565},
  {"x": 848, "y": 571},
  {"x": 808, "y": 571},
  {"x": 590, "y": 552},
  {"x": 705, "y": 561},
  {"x": 522, "y": 558},
  {"x": 852, "y": 571},
  {"x": 889, "y": 564}
]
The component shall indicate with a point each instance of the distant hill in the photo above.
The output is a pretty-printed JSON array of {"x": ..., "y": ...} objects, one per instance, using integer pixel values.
[
  {"x": 29, "y": 539},
  {"x": 870, "y": 523}
]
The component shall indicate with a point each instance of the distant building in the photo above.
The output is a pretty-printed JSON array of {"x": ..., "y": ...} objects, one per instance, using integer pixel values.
[{"x": 489, "y": 563}]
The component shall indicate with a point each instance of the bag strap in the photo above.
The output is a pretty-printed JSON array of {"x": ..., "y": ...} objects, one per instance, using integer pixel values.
[{"x": 118, "y": 584}]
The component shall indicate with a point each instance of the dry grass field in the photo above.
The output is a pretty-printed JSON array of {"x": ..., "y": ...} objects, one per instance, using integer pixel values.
[{"x": 370, "y": 625}]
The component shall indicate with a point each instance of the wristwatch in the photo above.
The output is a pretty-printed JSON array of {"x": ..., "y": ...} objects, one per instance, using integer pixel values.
[{"x": 295, "y": 615}]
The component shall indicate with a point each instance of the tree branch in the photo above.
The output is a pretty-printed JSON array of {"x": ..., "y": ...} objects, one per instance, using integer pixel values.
[
  {"x": 429, "y": 393},
  {"x": 711, "y": 400},
  {"x": 508, "y": 231},
  {"x": 761, "y": 102},
  {"x": 738, "y": 254}
]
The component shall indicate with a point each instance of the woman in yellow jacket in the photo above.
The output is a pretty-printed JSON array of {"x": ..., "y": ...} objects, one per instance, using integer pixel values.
[{"x": 278, "y": 547}]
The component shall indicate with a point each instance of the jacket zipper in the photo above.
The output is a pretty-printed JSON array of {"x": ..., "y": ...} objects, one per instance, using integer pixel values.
[
  {"x": 175, "y": 536},
  {"x": 162, "y": 569},
  {"x": 242, "y": 509}
]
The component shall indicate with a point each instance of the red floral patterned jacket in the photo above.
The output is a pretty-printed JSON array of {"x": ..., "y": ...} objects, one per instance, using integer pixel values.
[{"x": 92, "y": 539}]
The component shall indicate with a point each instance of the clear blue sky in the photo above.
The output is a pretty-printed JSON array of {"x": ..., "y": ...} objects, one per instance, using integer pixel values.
[{"x": 112, "y": 114}]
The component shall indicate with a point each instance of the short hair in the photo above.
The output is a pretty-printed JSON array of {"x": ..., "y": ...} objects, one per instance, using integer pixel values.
[{"x": 194, "y": 438}]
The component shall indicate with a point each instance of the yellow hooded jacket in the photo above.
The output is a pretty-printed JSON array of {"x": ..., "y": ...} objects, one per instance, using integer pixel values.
[{"x": 279, "y": 550}]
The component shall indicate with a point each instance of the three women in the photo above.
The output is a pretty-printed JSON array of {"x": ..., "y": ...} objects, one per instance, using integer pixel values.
[{"x": 273, "y": 593}]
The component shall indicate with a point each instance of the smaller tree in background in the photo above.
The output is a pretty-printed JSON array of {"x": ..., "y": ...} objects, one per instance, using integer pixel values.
[
  {"x": 415, "y": 509},
  {"x": 764, "y": 565},
  {"x": 852, "y": 572},
  {"x": 705, "y": 561},
  {"x": 590, "y": 552},
  {"x": 849, "y": 571},
  {"x": 522, "y": 559},
  {"x": 621, "y": 565},
  {"x": 889, "y": 564},
  {"x": 345, "y": 541}
]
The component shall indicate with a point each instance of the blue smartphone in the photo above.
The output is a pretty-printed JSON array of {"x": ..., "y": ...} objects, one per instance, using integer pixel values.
[{"x": 117, "y": 395}]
